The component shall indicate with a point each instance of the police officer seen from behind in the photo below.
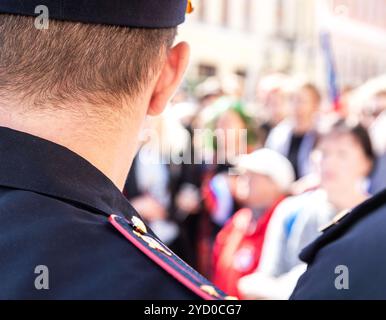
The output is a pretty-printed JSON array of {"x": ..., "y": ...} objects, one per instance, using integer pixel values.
[{"x": 73, "y": 97}]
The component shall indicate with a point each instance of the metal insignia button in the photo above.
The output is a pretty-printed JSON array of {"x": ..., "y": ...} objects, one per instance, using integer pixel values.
[
  {"x": 154, "y": 244},
  {"x": 189, "y": 8},
  {"x": 335, "y": 220},
  {"x": 139, "y": 225},
  {"x": 210, "y": 290}
]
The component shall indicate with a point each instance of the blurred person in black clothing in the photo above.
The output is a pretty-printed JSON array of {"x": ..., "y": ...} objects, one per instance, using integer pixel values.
[{"x": 295, "y": 138}]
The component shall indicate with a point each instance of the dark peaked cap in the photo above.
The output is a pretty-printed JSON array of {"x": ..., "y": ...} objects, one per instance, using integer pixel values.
[{"x": 128, "y": 13}]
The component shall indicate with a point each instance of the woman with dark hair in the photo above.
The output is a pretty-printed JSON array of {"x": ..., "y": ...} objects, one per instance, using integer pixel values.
[
  {"x": 347, "y": 160},
  {"x": 345, "y": 157}
]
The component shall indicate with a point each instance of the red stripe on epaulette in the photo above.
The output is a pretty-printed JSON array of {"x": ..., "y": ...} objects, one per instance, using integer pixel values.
[{"x": 163, "y": 264}]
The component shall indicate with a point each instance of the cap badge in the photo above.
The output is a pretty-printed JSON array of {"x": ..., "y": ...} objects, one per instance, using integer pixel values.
[{"x": 189, "y": 8}]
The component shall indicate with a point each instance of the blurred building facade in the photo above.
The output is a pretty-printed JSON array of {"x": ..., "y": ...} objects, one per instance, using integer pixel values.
[
  {"x": 251, "y": 37},
  {"x": 224, "y": 37},
  {"x": 254, "y": 37},
  {"x": 358, "y": 33}
]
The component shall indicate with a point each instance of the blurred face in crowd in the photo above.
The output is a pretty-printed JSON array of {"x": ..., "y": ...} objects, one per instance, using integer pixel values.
[
  {"x": 305, "y": 105},
  {"x": 230, "y": 141},
  {"x": 276, "y": 105},
  {"x": 260, "y": 191},
  {"x": 344, "y": 164}
]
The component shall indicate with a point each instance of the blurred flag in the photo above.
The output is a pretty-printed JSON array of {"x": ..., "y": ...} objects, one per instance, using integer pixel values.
[{"x": 331, "y": 70}]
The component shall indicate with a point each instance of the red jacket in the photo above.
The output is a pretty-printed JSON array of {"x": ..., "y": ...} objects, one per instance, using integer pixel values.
[{"x": 238, "y": 247}]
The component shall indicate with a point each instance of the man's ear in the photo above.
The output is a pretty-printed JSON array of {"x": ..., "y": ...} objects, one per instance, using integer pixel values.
[{"x": 169, "y": 78}]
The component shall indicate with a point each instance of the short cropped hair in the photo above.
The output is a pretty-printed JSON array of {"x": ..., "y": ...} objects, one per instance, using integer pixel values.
[{"x": 75, "y": 62}]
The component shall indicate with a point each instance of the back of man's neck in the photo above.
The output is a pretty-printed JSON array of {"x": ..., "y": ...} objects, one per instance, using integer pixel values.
[{"x": 108, "y": 146}]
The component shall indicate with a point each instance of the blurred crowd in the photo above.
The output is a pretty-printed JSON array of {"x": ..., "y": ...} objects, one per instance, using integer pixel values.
[{"x": 238, "y": 188}]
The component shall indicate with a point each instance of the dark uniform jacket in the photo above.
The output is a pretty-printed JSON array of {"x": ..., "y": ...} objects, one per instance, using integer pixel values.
[
  {"x": 348, "y": 261},
  {"x": 60, "y": 212}
]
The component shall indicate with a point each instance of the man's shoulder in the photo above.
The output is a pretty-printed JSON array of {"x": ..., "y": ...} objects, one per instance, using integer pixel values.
[
  {"x": 352, "y": 246},
  {"x": 85, "y": 255}
]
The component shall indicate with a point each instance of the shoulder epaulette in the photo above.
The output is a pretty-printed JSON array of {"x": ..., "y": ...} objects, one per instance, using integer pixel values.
[{"x": 136, "y": 232}]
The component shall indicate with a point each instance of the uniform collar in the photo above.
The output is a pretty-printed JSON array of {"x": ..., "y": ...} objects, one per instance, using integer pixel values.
[{"x": 38, "y": 165}]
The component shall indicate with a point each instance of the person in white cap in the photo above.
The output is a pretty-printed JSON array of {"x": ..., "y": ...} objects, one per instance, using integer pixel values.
[{"x": 237, "y": 250}]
